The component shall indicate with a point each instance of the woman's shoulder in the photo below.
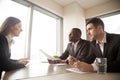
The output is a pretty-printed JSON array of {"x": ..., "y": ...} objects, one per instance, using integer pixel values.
[{"x": 2, "y": 38}]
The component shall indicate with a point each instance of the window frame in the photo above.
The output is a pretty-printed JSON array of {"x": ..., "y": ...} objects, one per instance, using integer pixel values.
[{"x": 59, "y": 36}]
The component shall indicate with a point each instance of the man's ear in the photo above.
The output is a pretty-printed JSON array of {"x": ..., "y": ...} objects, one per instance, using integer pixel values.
[{"x": 100, "y": 27}]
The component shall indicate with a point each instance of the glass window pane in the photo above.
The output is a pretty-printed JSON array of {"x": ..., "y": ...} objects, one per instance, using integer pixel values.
[
  {"x": 112, "y": 24},
  {"x": 43, "y": 35}
]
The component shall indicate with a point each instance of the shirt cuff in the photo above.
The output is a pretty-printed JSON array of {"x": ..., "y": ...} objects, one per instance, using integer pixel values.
[{"x": 94, "y": 66}]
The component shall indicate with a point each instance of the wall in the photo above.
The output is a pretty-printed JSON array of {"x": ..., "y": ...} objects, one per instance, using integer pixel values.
[
  {"x": 73, "y": 17},
  {"x": 49, "y": 5},
  {"x": 108, "y": 7}
]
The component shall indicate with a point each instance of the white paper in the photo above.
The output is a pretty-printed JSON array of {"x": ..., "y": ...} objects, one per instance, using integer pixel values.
[
  {"x": 76, "y": 70},
  {"x": 47, "y": 55},
  {"x": 61, "y": 64}
]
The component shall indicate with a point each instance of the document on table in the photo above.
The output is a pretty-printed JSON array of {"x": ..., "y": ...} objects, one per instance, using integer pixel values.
[
  {"x": 48, "y": 56},
  {"x": 61, "y": 64},
  {"x": 76, "y": 70}
]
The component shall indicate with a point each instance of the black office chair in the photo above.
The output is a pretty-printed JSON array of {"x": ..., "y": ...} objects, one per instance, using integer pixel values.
[{"x": 0, "y": 74}]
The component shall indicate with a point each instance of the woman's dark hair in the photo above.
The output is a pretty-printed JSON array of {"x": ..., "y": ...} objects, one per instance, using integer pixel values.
[
  {"x": 9, "y": 22},
  {"x": 96, "y": 22}
]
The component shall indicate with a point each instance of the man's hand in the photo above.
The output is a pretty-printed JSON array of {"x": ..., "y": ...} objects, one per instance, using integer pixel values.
[
  {"x": 71, "y": 60},
  {"x": 83, "y": 66},
  {"x": 56, "y": 61}
]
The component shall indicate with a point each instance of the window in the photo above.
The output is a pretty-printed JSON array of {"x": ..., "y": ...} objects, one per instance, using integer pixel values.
[
  {"x": 43, "y": 35},
  {"x": 112, "y": 24}
]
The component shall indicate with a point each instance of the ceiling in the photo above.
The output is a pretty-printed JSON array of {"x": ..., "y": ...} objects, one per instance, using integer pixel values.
[{"x": 83, "y": 3}]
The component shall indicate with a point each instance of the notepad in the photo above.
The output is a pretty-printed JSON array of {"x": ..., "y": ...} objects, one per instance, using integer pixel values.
[
  {"x": 61, "y": 64},
  {"x": 76, "y": 70}
]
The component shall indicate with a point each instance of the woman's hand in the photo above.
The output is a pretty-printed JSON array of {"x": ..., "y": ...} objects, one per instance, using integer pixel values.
[{"x": 23, "y": 61}]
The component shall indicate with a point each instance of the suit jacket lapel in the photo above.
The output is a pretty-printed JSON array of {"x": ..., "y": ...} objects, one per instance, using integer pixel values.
[
  {"x": 100, "y": 54},
  {"x": 80, "y": 44},
  {"x": 96, "y": 49},
  {"x": 72, "y": 50},
  {"x": 106, "y": 45},
  {"x": 105, "y": 49}
]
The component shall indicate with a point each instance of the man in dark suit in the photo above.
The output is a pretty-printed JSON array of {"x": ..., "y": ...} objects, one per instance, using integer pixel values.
[
  {"x": 103, "y": 45},
  {"x": 77, "y": 49}
]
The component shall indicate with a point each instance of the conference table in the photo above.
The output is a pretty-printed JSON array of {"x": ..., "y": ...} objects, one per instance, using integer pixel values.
[{"x": 36, "y": 70}]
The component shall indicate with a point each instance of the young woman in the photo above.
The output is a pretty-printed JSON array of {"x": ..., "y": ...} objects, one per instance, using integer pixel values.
[{"x": 10, "y": 28}]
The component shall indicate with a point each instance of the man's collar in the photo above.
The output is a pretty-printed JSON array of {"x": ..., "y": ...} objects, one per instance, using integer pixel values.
[
  {"x": 103, "y": 40},
  {"x": 75, "y": 42}
]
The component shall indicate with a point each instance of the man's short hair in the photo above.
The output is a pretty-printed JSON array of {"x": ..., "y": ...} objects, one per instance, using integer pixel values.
[
  {"x": 96, "y": 22},
  {"x": 77, "y": 29}
]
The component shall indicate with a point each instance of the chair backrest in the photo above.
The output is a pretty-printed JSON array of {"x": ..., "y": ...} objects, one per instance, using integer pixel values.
[{"x": 0, "y": 74}]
